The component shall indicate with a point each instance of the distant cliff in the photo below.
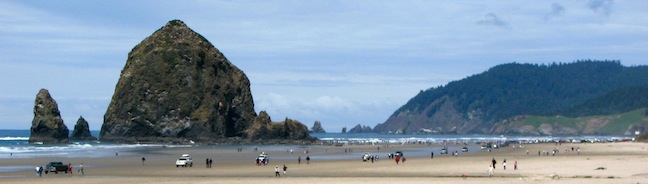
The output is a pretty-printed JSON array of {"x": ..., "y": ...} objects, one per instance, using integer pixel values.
[
  {"x": 360, "y": 129},
  {"x": 530, "y": 99},
  {"x": 176, "y": 87},
  {"x": 317, "y": 128}
]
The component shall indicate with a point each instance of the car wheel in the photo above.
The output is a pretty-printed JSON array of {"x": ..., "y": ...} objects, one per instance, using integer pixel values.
[
  {"x": 46, "y": 172},
  {"x": 177, "y": 166}
]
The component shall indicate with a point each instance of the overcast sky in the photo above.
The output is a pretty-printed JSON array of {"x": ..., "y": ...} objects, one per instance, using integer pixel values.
[{"x": 340, "y": 62}]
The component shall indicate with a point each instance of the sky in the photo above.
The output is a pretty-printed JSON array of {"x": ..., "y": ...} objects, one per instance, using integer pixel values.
[{"x": 342, "y": 63}]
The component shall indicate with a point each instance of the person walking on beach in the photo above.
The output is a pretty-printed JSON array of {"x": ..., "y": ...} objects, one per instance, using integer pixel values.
[
  {"x": 284, "y": 170},
  {"x": 397, "y": 159},
  {"x": 277, "y": 171},
  {"x": 494, "y": 163},
  {"x": 38, "y": 171},
  {"x": 432, "y": 155},
  {"x": 515, "y": 165},
  {"x": 80, "y": 170},
  {"x": 210, "y": 162},
  {"x": 70, "y": 169},
  {"x": 143, "y": 160},
  {"x": 490, "y": 170},
  {"x": 307, "y": 159},
  {"x": 207, "y": 163},
  {"x": 299, "y": 160},
  {"x": 504, "y": 164}
]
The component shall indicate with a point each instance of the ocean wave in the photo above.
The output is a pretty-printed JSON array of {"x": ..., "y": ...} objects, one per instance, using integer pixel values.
[{"x": 14, "y": 138}]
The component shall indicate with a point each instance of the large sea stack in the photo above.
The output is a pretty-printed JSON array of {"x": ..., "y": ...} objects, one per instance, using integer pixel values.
[
  {"x": 176, "y": 87},
  {"x": 47, "y": 125}
]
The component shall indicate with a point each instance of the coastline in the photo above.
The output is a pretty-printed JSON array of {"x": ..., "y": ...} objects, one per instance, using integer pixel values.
[{"x": 624, "y": 162}]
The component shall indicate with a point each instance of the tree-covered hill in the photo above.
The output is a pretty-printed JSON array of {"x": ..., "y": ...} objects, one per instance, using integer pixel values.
[{"x": 475, "y": 103}]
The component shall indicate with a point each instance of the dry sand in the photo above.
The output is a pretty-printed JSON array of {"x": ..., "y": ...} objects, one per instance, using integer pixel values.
[{"x": 597, "y": 163}]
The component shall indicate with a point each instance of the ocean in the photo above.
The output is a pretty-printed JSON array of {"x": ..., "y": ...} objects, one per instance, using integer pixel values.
[{"x": 15, "y": 143}]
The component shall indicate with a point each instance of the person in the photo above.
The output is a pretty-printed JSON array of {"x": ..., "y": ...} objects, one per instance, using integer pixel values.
[
  {"x": 70, "y": 168},
  {"x": 277, "y": 171},
  {"x": 210, "y": 162},
  {"x": 490, "y": 170},
  {"x": 397, "y": 159},
  {"x": 578, "y": 150},
  {"x": 515, "y": 165},
  {"x": 80, "y": 170},
  {"x": 143, "y": 160},
  {"x": 307, "y": 159},
  {"x": 404, "y": 159},
  {"x": 284, "y": 170},
  {"x": 504, "y": 164},
  {"x": 299, "y": 160},
  {"x": 207, "y": 163},
  {"x": 38, "y": 173},
  {"x": 432, "y": 155},
  {"x": 494, "y": 162}
]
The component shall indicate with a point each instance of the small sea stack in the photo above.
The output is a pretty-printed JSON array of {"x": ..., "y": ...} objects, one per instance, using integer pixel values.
[{"x": 82, "y": 131}]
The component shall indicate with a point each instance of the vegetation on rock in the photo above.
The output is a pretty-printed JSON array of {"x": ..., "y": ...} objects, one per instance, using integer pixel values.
[{"x": 475, "y": 104}]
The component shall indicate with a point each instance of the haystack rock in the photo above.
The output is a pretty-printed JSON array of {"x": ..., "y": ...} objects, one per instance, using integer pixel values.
[
  {"x": 82, "y": 131},
  {"x": 177, "y": 87},
  {"x": 47, "y": 125}
]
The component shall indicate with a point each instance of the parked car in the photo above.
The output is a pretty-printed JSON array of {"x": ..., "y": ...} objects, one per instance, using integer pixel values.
[
  {"x": 366, "y": 156},
  {"x": 184, "y": 161},
  {"x": 444, "y": 150},
  {"x": 262, "y": 159},
  {"x": 464, "y": 149},
  {"x": 56, "y": 167},
  {"x": 398, "y": 154}
]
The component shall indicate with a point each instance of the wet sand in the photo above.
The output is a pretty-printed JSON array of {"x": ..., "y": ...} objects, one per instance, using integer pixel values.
[{"x": 596, "y": 163}]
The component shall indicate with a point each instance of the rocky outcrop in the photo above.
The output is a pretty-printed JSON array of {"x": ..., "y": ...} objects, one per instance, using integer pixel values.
[
  {"x": 344, "y": 130},
  {"x": 82, "y": 131},
  {"x": 317, "y": 128},
  {"x": 176, "y": 87},
  {"x": 360, "y": 129},
  {"x": 47, "y": 125},
  {"x": 263, "y": 129}
]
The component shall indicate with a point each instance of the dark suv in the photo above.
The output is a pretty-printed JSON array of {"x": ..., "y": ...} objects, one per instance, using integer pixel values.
[{"x": 56, "y": 167}]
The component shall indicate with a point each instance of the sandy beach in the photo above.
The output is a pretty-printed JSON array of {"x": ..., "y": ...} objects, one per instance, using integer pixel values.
[{"x": 597, "y": 163}]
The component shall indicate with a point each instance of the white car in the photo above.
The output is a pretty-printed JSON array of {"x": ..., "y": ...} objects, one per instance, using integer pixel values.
[
  {"x": 184, "y": 161},
  {"x": 262, "y": 159}
]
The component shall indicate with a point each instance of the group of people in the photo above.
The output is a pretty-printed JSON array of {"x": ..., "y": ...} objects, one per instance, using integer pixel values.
[
  {"x": 285, "y": 169},
  {"x": 493, "y": 164},
  {"x": 39, "y": 170},
  {"x": 208, "y": 162}
]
